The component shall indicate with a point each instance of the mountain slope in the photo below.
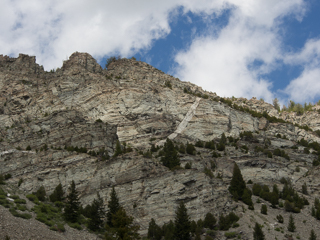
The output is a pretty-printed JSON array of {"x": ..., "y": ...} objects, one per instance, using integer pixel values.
[{"x": 82, "y": 105}]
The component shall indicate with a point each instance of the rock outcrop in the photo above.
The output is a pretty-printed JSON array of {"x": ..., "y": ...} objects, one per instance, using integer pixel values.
[{"x": 82, "y": 105}]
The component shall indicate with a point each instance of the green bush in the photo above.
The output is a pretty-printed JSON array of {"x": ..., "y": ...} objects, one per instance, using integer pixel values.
[
  {"x": 188, "y": 166},
  {"x": 280, "y": 218},
  {"x": 190, "y": 149},
  {"x": 2, "y": 192},
  {"x": 264, "y": 209},
  {"x": 58, "y": 227},
  {"x": 208, "y": 172},
  {"x": 32, "y": 198},
  {"x": 20, "y": 201},
  {"x": 20, "y": 215},
  {"x": 230, "y": 234},
  {"x": 75, "y": 225}
]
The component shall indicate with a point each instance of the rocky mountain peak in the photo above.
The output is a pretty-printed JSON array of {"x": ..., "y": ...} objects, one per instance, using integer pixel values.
[
  {"x": 82, "y": 60},
  {"x": 24, "y": 64}
]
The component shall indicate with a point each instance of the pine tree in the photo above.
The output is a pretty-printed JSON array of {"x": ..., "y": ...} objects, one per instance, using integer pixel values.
[
  {"x": 168, "y": 230},
  {"x": 264, "y": 209},
  {"x": 182, "y": 223},
  {"x": 291, "y": 225},
  {"x": 154, "y": 231},
  {"x": 123, "y": 226},
  {"x": 41, "y": 194},
  {"x": 209, "y": 221},
  {"x": 258, "y": 233},
  {"x": 237, "y": 184},
  {"x": 170, "y": 158},
  {"x": 113, "y": 207},
  {"x": 57, "y": 194},
  {"x": 72, "y": 208},
  {"x": 313, "y": 236},
  {"x": 96, "y": 214},
  {"x": 118, "y": 150}
]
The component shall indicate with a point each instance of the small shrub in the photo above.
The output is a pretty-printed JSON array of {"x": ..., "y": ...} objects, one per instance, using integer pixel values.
[
  {"x": 75, "y": 225},
  {"x": 208, "y": 172},
  {"x": 280, "y": 218},
  {"x": 188, "y": 166},
  {"x": 20, "y": 201},
  {"x": 230, "y": 234},
  {"x": 20, "y": 182},
  {"x": 264, "y": 209}
]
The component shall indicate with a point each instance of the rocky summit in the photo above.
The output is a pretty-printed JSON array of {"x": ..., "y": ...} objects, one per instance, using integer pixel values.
[{"x": 66, "y": 125}]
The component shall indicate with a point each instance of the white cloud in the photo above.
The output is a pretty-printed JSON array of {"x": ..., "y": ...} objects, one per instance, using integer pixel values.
[
  {"x": 52, "y": 30},
  {"x": 306, "y": 87},
  {"x": 224, "y": 63},
  {"x": 221, "y": 60}
]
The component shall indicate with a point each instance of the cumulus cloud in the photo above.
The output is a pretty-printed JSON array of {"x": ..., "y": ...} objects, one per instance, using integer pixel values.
[
  {"x": 52, "y": 30},
  {"x": 232, "y": 62},
  {"x": 229, "y": 60},
  {"x": 306, "y": 87}
]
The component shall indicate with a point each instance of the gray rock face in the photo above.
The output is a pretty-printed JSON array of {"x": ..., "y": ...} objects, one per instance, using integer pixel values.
[{"x": 84, "y": 106}]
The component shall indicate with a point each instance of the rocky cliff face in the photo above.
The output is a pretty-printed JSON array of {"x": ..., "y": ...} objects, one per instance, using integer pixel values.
[{"x": 85, "y": 106}]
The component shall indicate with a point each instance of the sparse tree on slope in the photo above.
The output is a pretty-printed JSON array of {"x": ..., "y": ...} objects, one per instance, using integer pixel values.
[
  {"x": 170, "y": 158},
  {"x": 96, "y": 214},
  {"x": 258, "y": 233},
  {"x": 237, "y": 184},
  {"x": 113, "y": 207},
  {"x": 182, "y": 223},
  {"x": 313, "y": 236},
  {"x": 71, "y": 210}
]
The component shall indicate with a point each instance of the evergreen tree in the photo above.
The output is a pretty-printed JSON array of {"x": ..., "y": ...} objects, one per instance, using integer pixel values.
[
  {"x": 72, "y": 208},
  {"x": 182, "y": 223},
  {"x": 123, "y": 226},
  {"x": 246, "y": 197},
  {"x": 118, "y": 150},
  {"x": 258, "y": 233},
  {"x": 170, "y": 158},
  {"x": 41, "y": 194},
  {"x": 237, "y": 184},
  {"x": 57, "y": 194},
  {"x": 209, "y": 221},
  {"x": 264, "y": 209},
  {"x": 168, "y": 230},
  {"x": 154, "y": 231},
  {"x": 96, "y": 214},
  {"x": 313, "y": 236},
  {"x": 113, "y": 207},
  {"x": 291, "y": 225}
]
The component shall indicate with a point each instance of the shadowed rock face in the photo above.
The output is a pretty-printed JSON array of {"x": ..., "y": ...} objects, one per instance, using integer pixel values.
[{"x": 85, "y": 106}]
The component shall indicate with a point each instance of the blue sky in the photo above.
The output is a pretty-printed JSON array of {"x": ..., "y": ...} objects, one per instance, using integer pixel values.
[{"x": 242, "y": 48}]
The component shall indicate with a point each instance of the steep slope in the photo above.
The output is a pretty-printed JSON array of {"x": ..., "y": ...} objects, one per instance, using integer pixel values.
[{"x": 82, "y": 105}]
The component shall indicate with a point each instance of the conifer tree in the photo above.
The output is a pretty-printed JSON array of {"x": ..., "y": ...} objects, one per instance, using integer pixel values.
[
  {"x": 72, "y": 208},
  {"x": 237, "y": 184},
  {"x": 154, "y": 231},
  {"x": 209, "y": 221},
  {"x": 96, "y": 214},
  {"x": 118, "y": 150},
  {"x": 258, "y": 233},
  {"x": 291, "y": 225},
  {"x": 41, "y": 194},
  {"x": 170, "y": 158},
  {"x": 57, "y": 194},
  {"x": 182, "y": 223},
  {"x": 313, "y": 236},
  {"x": 113, "y": 207},
  {"x": 123, "y": 226},
  {"x": 168, "y": 230}
]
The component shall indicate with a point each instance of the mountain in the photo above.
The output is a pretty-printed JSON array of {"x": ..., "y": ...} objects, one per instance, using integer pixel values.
[{"x": 64, "y": 125}]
